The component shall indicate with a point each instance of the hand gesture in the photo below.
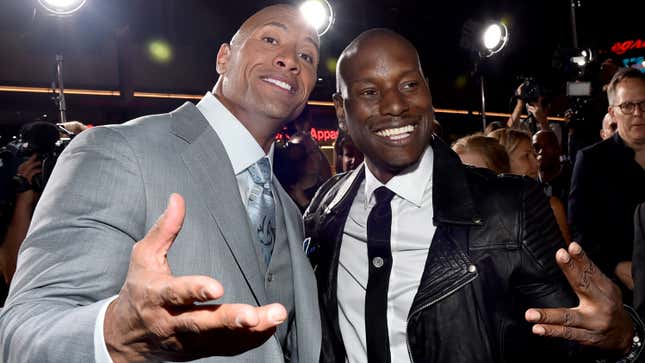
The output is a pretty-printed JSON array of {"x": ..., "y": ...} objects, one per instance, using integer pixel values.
[
  {"x": 155, "y": 316},
  {"x": 599, "y": 320},
  {"x": 30, "y": 167}
]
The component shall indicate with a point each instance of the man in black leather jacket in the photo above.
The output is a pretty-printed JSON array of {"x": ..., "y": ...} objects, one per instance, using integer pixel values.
[{"x": 486, "y": 242}]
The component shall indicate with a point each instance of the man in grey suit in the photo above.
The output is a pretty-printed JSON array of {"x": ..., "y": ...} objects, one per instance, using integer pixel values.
[{"x": 235, "y": 234}]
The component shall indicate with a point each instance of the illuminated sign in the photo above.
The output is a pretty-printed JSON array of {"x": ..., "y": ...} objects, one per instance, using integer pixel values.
[
  {"x": 320, "y": 135},
  {"x": 324, "y": 135},
  {"x": 623, "y": 47}
]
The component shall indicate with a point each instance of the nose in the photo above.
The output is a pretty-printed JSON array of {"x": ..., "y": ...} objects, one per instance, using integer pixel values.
[
  {"x": 393, "y": 103},
  {"x": 288, "y": 60}
]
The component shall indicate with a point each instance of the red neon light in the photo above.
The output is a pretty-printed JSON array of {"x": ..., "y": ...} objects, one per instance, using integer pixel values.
[
  {"x": 324, "y": 135},
  {"x": 318, "y": 135},
  {"x": 622, "y": 47}
]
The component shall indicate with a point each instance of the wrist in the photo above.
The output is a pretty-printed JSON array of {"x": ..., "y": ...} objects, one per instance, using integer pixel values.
[
  {"x": 116, "y": 338},
  {"x": 634, "y": 346}
]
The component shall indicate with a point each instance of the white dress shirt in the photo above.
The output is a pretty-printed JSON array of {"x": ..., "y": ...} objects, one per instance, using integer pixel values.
[
  {"x": 411, "y": 234},
  {"x": 243, "y": 151}
]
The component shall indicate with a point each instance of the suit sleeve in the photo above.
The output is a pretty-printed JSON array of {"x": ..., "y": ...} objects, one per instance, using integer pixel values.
[
  {"x": 76, "y": 253},
  {"x": 586, "y": 219},
  {"x": 638, "y": 265}
]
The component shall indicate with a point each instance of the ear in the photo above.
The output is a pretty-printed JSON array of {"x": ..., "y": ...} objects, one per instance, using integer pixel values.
[
  {"x": 223, "y": 57},
  {"x": 340, "y": 111}
]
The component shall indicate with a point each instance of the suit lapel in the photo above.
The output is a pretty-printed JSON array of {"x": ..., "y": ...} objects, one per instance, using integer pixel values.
[{"x": 210, "y": 167}]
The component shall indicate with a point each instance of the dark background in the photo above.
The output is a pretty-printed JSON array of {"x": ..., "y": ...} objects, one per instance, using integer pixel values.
[{"x": 105, "y": 47}]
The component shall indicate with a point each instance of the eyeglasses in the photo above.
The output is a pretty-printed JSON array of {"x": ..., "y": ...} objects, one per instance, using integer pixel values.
[{"x": 628, "y": 108}]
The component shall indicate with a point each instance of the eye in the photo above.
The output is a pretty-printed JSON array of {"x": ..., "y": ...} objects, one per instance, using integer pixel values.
[
  {"x": 410, "y": 85},
  {"x": 308, "y": 58},
  {"x": 368, "y": 92},
  {"x": 270, "y": 40}
]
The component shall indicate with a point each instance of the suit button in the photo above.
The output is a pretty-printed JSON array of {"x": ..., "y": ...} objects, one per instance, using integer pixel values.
[
  {"x": 377, "y": 262},
  {"x": 269, "y": 277},
  {"x": 472, "y": 269}
]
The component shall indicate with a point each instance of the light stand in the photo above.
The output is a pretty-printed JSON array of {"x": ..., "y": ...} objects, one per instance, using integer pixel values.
[
  {"x": 59, "y": 92},
  {"x": 494, "y": 38}
]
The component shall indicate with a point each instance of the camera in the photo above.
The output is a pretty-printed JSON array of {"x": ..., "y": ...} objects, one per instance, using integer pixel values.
[
  {"x": 40, "y": 139},
  {"x": 530, "y": 91}
]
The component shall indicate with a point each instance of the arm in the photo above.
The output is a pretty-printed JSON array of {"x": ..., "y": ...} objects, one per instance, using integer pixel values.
[
  {"x": 586, "y": 219},
  {"x": 514, "y": 120},
  {"x": 599, "y": 320},
  {"x": 560, "y": 218},
  {"x": 538, "y": 111},
  {"x": 638, "y": 267},
  {"x": 16, "y": 232},
  {"x": 76, "y": 254},
  {"x": 23, "y": 209}
]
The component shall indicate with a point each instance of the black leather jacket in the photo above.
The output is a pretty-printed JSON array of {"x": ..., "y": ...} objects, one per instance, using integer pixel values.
[{"x": 491, "y": 258}]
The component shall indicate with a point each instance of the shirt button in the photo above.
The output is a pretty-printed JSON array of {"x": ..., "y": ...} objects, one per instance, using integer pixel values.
[
  {"x": 472, "y": 269},
  {"x": 377, "y": 262}
]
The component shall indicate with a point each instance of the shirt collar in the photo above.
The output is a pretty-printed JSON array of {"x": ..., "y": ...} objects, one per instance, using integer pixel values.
[
  {"x": 410, "y": 185},
  {"x": 241, "y": 147}
]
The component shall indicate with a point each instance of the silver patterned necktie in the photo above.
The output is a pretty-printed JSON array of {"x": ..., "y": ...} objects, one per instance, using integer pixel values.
[{"x": 261, "y": 207}]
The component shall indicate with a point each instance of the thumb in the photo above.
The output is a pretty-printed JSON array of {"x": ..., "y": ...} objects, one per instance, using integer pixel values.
[{"x": 152, "y": 249}]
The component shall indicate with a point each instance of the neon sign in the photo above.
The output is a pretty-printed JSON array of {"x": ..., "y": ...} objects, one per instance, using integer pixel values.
[
  {"x": 324, "y": 135},
  {"x": 622, "y": 47},
  {"x": 320, "y": 135}
]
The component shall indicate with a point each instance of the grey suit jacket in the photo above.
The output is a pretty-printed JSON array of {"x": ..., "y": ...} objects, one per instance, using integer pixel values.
[{"x": 108, "y": 189}]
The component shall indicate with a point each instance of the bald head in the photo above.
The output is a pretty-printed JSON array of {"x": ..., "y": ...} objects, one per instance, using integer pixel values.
[
  {"x": 367, "y": 43},
  {"x": 608, "y": 127},
  {"x": 265, "y": 15},
  {"x": 268, "y": 70},
  {"x": 384, "y": 101}
]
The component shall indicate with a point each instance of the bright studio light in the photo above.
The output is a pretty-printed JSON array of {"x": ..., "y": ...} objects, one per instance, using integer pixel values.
[
  {"x": 495, "y": 37},
  {"x": 319, "y": 14},
  {"x": 62, "y": 7}
]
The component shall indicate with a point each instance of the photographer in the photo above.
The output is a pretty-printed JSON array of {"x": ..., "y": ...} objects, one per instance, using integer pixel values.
[
  {"x": 16, "y": 230},
  {"x": 25, "y": 166},
  {"x": 530, "y": 96}
]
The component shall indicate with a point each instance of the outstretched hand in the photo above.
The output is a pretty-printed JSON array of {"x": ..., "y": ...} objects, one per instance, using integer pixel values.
[
  {"x": 599, "y": 320},
  {"x": 155, "y": 316}
]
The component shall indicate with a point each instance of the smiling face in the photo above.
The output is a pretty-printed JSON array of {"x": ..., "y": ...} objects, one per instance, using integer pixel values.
[
  {"x": 385, "y": 101},
  {"x": 269, "y": 69}
]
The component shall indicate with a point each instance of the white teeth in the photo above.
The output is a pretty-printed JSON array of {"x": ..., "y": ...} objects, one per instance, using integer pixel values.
[
  {"x": 278, "y": 83},
  {"x": 396, "y": 133}
]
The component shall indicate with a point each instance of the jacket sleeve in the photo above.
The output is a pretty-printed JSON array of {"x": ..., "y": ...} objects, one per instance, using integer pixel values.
[
  {"x": 76, "y": 253},
  {"x": 541, "y": 281},
  {"x": 587, "y": 221},
  {"x": 638, "y": 265}
]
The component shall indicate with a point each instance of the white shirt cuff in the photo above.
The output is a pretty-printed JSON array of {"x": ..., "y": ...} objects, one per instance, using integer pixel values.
[{"x": 101, "y": 354}]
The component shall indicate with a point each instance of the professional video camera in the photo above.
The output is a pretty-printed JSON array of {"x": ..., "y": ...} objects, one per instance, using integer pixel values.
[{"x": 39, "y": 138}]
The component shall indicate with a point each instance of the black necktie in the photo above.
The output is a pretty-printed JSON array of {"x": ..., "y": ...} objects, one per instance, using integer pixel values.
[{"x": 380, "y": 264}]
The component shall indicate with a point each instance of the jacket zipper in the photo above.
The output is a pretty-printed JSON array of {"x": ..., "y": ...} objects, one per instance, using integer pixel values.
[{"x": 407, "y": 340}]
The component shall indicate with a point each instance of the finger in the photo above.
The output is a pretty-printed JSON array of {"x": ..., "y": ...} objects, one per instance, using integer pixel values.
[
  {"x": 581, "y": 336},
  {"x": 555, "y": 316},
  {"x": 582, "y": 274},
  {"x": 31, "y": 173},
  {"x": 232, "y": 317},
  {"x": 160, "y": 237},
  {"x": 186, "y": 290}
]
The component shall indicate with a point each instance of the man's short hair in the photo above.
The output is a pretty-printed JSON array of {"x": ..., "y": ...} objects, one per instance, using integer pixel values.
[{"x": 619, "y": 76}]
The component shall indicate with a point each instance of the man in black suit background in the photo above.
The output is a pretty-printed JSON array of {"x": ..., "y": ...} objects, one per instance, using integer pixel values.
[{"x": 608, "y": 180}]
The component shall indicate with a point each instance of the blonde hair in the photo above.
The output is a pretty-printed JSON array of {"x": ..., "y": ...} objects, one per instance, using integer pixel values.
[
  {"x": 510, "y": 139},
  {"x": 488, "y": 148}
]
